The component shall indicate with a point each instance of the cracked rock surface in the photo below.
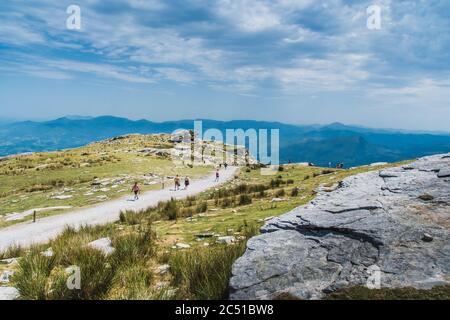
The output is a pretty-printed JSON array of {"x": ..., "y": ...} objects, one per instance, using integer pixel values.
[{"x": 397, "y": 220}]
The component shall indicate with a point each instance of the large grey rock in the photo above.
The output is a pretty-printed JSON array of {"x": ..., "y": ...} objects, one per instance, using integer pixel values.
[{"x": 373, "y": 219}]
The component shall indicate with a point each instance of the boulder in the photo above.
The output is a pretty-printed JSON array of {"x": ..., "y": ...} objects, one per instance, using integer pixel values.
[
  {"x": 61, "y": 197},
  {"x": 104, "y": 245},
  {"x": 182, "y": 246},
  {"x": 370, "y": 223},
  {"x": 162, "y": 269},
  {"x": 8, "y": 293},
  {"x": 48, "y": 253},
  {"x": 226, "y": 240}
]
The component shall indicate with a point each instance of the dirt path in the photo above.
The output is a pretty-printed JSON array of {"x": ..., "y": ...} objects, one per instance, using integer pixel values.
[{"x": 48, "y": 228}]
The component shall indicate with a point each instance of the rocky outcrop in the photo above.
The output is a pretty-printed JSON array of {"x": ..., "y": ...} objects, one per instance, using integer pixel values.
[{"x": 395, "y": 221}]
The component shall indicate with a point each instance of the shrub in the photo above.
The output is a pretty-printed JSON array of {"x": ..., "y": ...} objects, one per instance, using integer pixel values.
[
  {"x": 202, "y": 207},
  {"x": 169, "y": 209},
  {"x": 97, "y": 273},
  {"x": 133, "y": 282},
  {"x": 204, "y": 273},
  {"x": 131, "y": 217},
  {"x": 186, "y": 212},
  {"x": 275, "y": 183},
  {"x": 290, "y": 181},
  {"x": 190, "y": 201},
  {"x": 31, "y": 276},
  {"x": 13, "y": 251},
  {"x": 294, "y": 192},
  {"x": 134, "y": 247},
  {"x": 244, "y": 199},
  {"x": 226, "y": 202},
  {"x": 280, "y": 193}
]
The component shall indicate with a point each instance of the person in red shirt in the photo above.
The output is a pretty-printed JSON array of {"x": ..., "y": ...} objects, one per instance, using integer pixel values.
[{"x": 136, "y": 191}]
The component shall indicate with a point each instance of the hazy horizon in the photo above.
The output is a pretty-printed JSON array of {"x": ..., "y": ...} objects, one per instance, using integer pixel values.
[
  {"x": 297, "y": 62},
  {"x": 11, "y": 121}
]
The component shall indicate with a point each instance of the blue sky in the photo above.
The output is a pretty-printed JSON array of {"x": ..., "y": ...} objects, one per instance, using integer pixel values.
[{"x": 296, "y": 61}]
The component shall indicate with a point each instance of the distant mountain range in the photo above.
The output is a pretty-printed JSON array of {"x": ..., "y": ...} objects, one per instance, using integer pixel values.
[{"x": 319, "y": 144}]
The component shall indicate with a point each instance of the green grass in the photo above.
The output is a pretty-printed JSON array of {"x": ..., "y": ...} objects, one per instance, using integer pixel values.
[
  {"x": 144, "y": 240},
  {"x": 32, "y": 275},
  {"x": 204, "y": 273},
  {"x": 226, "y": 221},
  {"x": 115, "y": 276},
  {"x": 128, "y": 273},
  {"x": 363, "y": 293},
  {"x": 30, "y": 181}
]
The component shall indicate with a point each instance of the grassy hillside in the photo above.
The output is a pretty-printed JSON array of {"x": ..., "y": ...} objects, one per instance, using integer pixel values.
[
  {"x": 176, "y": 249},
  {"x": 85, "y": 176}
]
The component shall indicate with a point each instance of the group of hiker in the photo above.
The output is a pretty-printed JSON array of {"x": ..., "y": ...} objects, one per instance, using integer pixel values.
[
  {"x": 177, "y": 182},
  {"x": 339, "y": 165}
]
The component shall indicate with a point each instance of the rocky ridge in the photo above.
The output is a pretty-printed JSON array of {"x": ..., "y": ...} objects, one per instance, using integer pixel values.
[{"x": 395, "y": 221}]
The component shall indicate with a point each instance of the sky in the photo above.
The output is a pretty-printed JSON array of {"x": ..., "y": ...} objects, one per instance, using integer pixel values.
[{"x": 294, "y": 61}]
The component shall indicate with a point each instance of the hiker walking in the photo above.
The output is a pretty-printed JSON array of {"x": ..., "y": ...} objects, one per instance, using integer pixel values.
[
  {"x": 217, "y": 175},
  {"x": 225, "y": 165},
  {"x": 136, "y": 190},
  {"x": 186, "y": 183},
  {"x": 177, "y": 183}
]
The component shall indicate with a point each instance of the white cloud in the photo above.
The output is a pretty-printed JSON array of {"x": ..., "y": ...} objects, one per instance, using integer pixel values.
[
  {"x": 177, "y": 75},
  {"x": 102, "y": 70}
]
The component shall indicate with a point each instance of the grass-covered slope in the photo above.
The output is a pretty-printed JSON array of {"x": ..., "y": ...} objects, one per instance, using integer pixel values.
[
  {"x": 174, "y": 250},
  {"x": 73, "y": 178}
]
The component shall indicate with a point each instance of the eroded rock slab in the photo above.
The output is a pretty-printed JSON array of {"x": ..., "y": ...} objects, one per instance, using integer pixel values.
[{"x": 376, "y": 219}]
